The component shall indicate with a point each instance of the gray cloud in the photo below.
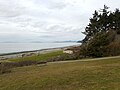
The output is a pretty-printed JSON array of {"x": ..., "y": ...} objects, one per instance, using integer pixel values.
[
  {"x": 52, "y": 4},
  {"x": 10, "y": 8},
  {"x": 47, "y": 19}
]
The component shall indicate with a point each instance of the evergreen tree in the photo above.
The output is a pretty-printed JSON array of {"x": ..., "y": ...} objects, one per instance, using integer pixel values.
[
  {"x": 100, "y": 33},
  {"x": 98, "y": 23},
  {"x": 92, "y": 28},
  {"x": 116, "y": 20}
]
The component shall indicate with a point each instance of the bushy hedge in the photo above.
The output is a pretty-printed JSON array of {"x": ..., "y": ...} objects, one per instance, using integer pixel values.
[
  {"x": 6, "y": 67},
  {"x": 102, "y": 44}
]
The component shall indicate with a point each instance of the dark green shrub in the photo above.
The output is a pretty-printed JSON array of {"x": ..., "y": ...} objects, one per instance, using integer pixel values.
[{"x": 96, "y": 47}]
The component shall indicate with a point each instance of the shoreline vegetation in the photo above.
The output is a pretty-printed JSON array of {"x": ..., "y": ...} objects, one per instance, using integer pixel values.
[
  {"x": 21, "y": 54},
  {"x": 35, "y": 57}
]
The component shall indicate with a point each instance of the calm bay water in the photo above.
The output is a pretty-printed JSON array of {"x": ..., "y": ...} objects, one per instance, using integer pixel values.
[{"x": 19, "y": 47}]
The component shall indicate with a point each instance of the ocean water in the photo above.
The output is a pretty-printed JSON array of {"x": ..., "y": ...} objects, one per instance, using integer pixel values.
[{"x": 19, "y": 47}]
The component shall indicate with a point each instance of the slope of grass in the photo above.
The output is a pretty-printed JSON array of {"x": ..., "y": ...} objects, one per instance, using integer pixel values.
[
  {"x": 40, "y": 57},
  {"x": 94, "y": 75}
]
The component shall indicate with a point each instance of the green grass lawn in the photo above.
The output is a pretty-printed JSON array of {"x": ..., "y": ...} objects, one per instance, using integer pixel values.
[
  {"x": 40, "y": 57},
  {"x": 93, "y": 75}
]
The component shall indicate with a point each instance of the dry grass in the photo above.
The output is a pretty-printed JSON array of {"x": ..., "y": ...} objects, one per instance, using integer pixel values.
[{"x": 94, "y": 75}]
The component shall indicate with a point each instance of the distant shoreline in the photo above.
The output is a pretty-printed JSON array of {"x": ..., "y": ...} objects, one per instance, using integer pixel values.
[
  {"x": 30, "y": 53},
  {"x": 13, "y": 48},
  {"x": 4, "y": 54}
]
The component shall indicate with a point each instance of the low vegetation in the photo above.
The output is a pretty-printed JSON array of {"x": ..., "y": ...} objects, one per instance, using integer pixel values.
[
  {"x": 39, "y": 57},
  {"x": 5, "y": 67},
  {"x": 47, "y": 57}
]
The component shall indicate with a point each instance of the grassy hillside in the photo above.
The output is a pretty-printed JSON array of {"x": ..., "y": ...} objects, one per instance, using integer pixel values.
[{"x": 93, "y": 75}]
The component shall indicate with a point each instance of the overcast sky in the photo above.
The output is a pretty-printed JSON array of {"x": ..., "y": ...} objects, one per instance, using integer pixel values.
[{"x": 47, "y": 20}]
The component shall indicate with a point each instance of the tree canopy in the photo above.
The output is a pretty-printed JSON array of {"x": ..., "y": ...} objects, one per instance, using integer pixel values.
[
  {"x": 102, "y": 21},
  {"x": 101, "y": 33}
]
